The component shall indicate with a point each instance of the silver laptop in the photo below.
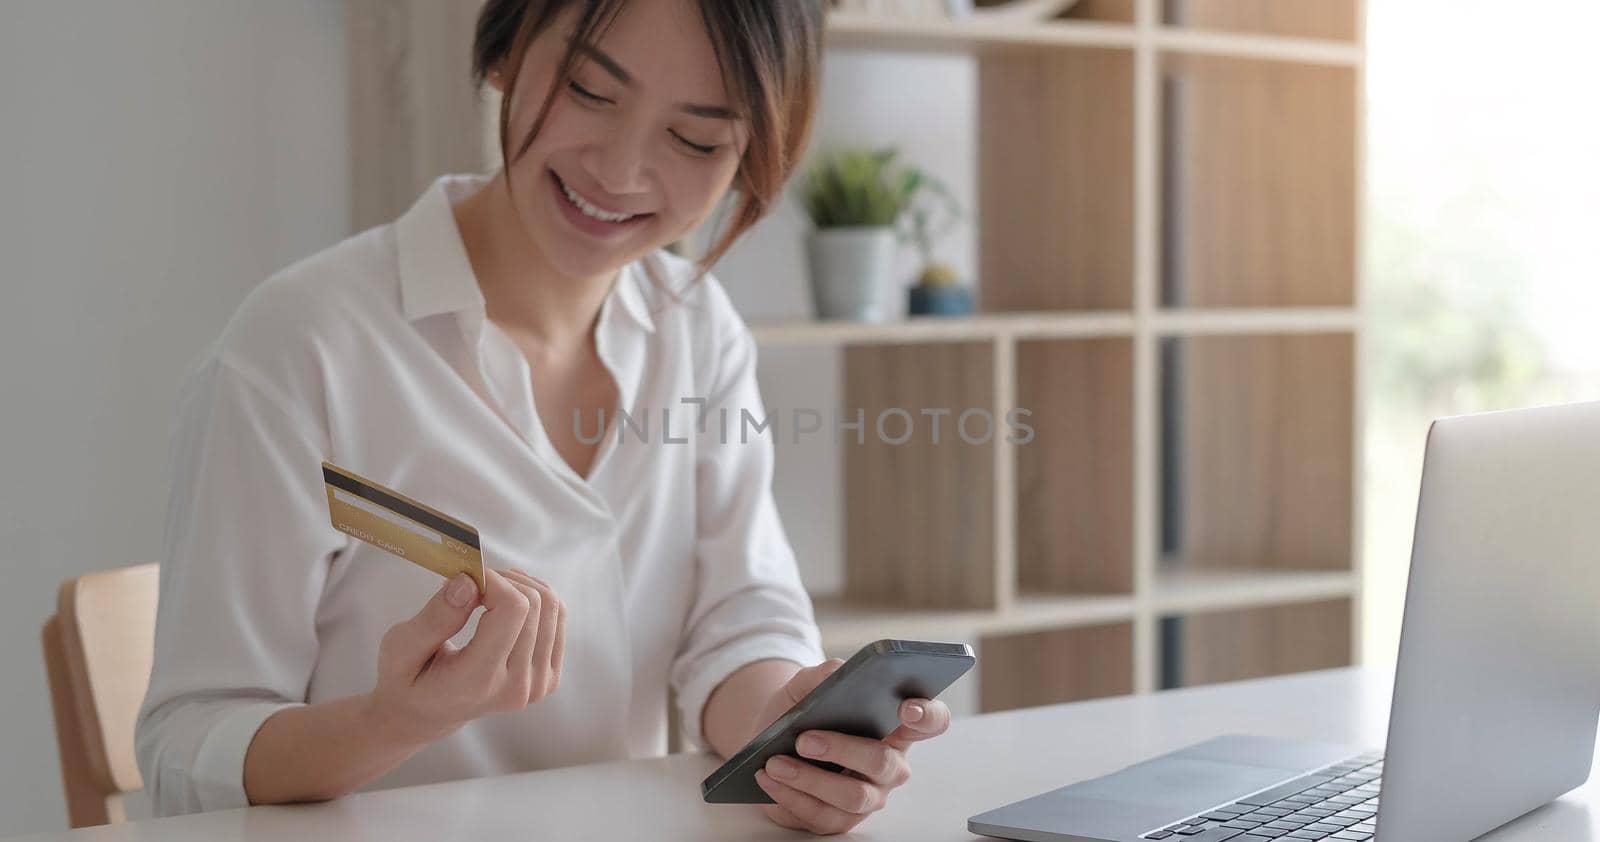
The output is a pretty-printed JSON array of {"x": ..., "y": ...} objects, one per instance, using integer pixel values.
[{"x": 1497, "y": 689}]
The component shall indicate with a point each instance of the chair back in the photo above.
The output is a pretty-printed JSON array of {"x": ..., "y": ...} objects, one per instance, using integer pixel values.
[{"x": 97, "y": 651}]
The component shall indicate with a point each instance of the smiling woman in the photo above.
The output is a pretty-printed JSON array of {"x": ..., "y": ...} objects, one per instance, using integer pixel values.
[
  {"x": 447, "y": 355},
  {"x": 740, "y": 100}
]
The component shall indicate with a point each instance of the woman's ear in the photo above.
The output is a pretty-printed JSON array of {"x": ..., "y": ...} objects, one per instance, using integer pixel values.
[{"x": 496, "y": 78}]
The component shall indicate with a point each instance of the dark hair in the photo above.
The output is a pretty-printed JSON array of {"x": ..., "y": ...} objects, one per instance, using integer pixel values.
[{"x": 769, "y": 52}]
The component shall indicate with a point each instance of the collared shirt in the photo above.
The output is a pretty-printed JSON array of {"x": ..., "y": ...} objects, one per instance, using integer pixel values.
[{"x": 376, "y": 355}]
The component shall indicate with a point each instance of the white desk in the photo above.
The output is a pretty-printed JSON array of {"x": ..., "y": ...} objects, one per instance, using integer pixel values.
[{"x": 984, "y": 761}]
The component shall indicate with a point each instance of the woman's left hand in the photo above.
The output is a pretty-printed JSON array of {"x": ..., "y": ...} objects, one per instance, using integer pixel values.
[{"x": 823, "y": 802}]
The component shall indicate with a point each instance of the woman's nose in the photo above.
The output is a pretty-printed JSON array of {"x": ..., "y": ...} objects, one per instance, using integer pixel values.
[{"x": 618, "y": 162}]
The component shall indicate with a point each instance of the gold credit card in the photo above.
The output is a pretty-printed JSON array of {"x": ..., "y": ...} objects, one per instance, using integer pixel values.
[{"x": 397, "y": 524}]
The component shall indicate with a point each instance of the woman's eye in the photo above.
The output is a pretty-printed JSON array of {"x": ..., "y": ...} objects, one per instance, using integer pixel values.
[
  {"x": 584, "y": 93},
  {"x": 697, "y": 148}
]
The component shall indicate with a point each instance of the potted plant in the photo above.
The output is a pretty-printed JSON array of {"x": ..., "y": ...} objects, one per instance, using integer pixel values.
[
  {"x": 938, "y": 291},
  {"x": 855, "y": 199}
]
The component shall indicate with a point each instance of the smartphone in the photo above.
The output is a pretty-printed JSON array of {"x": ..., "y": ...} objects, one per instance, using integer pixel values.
[{"x": 861, "y": 698}]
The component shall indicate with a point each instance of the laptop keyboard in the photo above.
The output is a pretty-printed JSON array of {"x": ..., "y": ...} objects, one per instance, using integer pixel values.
[{"x": 1339, "y": 802}]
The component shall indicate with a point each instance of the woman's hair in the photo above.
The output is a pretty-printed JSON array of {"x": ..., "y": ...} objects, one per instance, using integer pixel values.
[{"x": 769, "y": 52}]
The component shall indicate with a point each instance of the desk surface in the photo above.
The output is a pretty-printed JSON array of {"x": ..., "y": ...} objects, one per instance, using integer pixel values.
[{"x": 984, "y": 762}]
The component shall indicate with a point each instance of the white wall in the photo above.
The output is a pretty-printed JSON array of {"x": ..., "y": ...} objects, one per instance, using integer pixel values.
[{"x": 157, "y": 159}]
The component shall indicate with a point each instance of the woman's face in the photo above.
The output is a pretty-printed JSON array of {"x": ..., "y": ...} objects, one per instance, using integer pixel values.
[{"x": 635, "y": 151}]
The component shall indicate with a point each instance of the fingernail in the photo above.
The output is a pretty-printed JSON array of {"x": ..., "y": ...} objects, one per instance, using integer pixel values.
[
  {"x": 812, "y": 746},
  {"x": 914, "y": 712},
  {"x": 780, "y": 768},
  {"x": 460, "y": 590}
]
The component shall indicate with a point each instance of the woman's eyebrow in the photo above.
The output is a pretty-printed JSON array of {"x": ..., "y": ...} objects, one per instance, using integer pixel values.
[{"x": 610, "y": 65}]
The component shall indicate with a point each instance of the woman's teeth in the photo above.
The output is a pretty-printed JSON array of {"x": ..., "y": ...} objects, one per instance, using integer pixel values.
[{"x": 590, "y": 210}]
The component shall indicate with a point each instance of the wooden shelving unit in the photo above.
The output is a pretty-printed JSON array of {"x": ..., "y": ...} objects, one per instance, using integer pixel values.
[
  {"x": 1066, "y": 325},
  {"x": 848, "y": 626},
  {"x": 860, "y": 32},
  {"x": 1169, "y": 275}
]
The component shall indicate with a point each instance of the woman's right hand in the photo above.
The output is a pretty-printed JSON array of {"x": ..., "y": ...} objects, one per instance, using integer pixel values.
[{"x": 428, "y": 687}]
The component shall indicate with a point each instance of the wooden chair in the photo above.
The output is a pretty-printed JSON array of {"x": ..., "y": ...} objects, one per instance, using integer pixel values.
[{"x": 97, "y": 650}]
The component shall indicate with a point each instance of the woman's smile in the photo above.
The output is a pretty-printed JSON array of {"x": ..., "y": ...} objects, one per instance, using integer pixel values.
[{"x": 590, "y": 218}]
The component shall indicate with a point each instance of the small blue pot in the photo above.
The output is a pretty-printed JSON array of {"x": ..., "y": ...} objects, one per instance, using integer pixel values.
[{"x": 940, "y": 300}]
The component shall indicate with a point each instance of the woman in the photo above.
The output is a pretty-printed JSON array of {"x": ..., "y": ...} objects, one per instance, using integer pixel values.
[{"x": 449, "y": 355}]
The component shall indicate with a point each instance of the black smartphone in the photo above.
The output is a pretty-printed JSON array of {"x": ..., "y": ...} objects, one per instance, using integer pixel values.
[{"x": 861, "y": 698}]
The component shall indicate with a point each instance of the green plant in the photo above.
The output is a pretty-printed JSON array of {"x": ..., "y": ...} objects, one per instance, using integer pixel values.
[
  {"x": 863, "y": 187},
  {"x": 938, "y": 275},
  {"x": 932, "y": 215},
  {"x": 859, "y": 187}
]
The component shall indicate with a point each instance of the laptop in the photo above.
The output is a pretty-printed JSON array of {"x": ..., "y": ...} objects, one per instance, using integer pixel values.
[{"x": 1497, "y": 687}]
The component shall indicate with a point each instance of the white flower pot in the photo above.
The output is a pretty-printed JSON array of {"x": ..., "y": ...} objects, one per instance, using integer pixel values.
[{"x": 851, "y": 272}]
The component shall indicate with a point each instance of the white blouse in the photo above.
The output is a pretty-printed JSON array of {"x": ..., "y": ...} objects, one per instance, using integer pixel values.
[{"x": 377, "y": 355}]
